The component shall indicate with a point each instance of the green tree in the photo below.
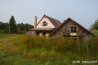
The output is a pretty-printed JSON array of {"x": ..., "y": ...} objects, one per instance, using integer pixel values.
[
  {"x": 6, "y": 28},
  {"x": 94, "y": 26},
  {"x": 3, "y": 27},
  {"x": 22, "y": 28},
  {"x": 12, "y": 25}
]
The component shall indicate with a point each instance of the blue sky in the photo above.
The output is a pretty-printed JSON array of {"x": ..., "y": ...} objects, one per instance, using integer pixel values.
[{"x": 84, "y": 12}]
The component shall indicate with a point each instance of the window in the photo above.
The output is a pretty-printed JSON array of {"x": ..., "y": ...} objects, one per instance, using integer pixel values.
[
  {"x": 73, "y": 29},
  {"x": 44, "y": 23}
]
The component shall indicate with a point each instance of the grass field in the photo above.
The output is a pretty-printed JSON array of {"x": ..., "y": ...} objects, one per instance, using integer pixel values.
[{"x": 29, "y": 50}]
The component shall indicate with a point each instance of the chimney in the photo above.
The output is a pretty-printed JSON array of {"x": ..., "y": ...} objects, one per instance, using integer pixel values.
[{"x": 35, "y": 21}]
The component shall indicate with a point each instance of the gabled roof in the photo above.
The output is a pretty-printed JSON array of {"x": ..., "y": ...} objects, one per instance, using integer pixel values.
[
  {"x": 65, "y": 21},
  {"x": 55, "y": 22}
]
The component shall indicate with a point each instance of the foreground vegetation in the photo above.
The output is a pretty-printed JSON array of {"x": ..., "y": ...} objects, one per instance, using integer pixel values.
[{"x": 30, "y": 50}]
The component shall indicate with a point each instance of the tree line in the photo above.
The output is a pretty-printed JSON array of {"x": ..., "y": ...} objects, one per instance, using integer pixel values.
[{"x": 12, "y": 28}]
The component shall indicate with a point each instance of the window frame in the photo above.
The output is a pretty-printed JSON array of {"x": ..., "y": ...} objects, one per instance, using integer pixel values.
[{"x": 73, "y": 29}]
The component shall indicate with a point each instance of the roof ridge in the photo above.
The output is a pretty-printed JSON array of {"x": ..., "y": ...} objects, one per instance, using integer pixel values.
[
  {"x": 55, "y": 22},
  {"x": 51, "y": 17}
]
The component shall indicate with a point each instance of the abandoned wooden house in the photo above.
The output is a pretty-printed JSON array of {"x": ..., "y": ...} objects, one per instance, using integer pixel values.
[
  {"x": 48, "y": 26},
  {"x": 71, "y": 28}
]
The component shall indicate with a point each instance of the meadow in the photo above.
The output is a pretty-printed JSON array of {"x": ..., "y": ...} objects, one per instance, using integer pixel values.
[{"x": 34, "y": 50}]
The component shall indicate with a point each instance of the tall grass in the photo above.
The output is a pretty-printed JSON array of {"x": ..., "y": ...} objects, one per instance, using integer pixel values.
[
  {"x": 35, "y": 50},
  {"x": 86, "y": 46}
]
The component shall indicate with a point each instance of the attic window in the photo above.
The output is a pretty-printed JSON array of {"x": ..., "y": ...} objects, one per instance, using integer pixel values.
[
  {"x": 73, "y": 29},
  {"x": 44, "y": 23}
]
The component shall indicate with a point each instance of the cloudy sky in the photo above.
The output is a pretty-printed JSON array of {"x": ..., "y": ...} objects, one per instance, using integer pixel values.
[{"x": 84, "y": 12}]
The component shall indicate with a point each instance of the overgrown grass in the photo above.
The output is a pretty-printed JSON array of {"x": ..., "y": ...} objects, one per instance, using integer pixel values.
[
  {"x": 35, "y": 50},
  {"x": 58, "y": 44},
  {"x": 5, "y": 35}
]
